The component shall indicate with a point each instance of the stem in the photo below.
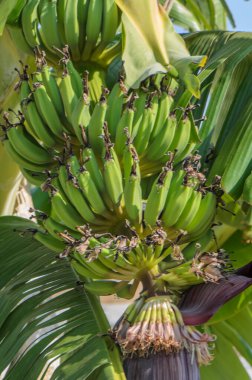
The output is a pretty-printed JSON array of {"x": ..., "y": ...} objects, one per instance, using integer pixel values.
[{"x": 148, "y": 283}]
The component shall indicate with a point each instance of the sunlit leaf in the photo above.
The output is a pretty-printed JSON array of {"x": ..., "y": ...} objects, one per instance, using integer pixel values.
[
  {"x": 45, "y": 315},
  {"x": 151, "y": 45}
]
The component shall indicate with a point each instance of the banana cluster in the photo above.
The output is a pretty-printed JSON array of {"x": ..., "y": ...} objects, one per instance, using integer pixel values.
[
  {"x": 58, "y": 111},
  {"x": 88, "y": 27},
  {"x": 122, "y": 167},
  {"x": 154, "y": 325}
]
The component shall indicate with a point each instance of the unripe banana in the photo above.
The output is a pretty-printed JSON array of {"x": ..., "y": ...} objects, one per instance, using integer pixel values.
[
  {"x": 115, "y": 104},
  {"x": 75, "y": 196},
  {"x": 162, "y": 143},
  {"x": 110, "y": 21},
  {"x": 65, "y": 212},
  {"x": 142, "y": 137},
  {"x": 181, "y": 137},
  {"x": 47, "y": 110},
  {"x": 133, "y": 195},
  {"x": 157, "y": 197},
  {"x": 81, "y": 117},
  {"x": 189, "y": 211},
  {"x": 204, "y": 216},
  {"x": 48, "y": 25},
  {"x": 113, "y": 177},
  {"x": 93, "y": 27},
  {"x": 164, "y": 108},
  {"x": 30, "y": 22},
  {"x": 55, "y": 229},
  {"x": 95, "y": 126},
  {"x": 49, "y": 241},
  {"x": 125, "y": 122},
  {"x": 21, "y": 161},
  {"x": 72, "y": 29},
  {"x": 33, "y": 177},
  {"x": 176, "y": 202},
  {"x": 82, "y": 19},
  {"x": 91, "y": 193}
]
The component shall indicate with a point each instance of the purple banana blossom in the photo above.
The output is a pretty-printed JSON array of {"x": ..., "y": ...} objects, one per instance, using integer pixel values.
[{"x": 200, "y": 302}]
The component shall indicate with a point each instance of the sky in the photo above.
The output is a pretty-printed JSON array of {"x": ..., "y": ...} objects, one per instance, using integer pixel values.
[{"x": 242, "y": 12}]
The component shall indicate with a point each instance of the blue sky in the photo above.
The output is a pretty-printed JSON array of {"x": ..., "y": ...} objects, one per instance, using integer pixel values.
[{"x": 242, "y": 11}]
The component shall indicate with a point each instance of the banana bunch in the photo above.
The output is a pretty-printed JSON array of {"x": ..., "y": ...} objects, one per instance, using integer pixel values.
[
  {"x": 88, "y": 27},
  {"x": 101, "y": 223},
  {"x": 121, "y": 166},
  {"x": 155, "y": 325},
  {"x": 57, "y": 110}
]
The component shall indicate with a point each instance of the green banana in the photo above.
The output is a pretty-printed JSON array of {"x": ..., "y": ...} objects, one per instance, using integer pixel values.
[
  {"x": 82, "y": 20},
  {"x": 162, "y": 143},
  {"x": 141, "y": 140},
  {"x": 27, "y": 146},
  {"x": 176, "y": 202},
  {"x": 61, "y": 7},
  {"x": 84, "y": 270},
  {"x": 133, "y": 195},
  {"x": 93, "y": 27},
  {"x": 114, "y": 107},
  {"x": 164, "y": 108},
  {"x": 48, "y": 25},
  {"x": 46, "y": 110},
  {"x": 157, "y": 197},
  {"x": 190, "y": 210},
  {"x": 75, "y": 77},
  {"x": 81, "y": 116},
  {"x": 113, "y": 177},
  {"x": 30, "y": 22},
  {"x": 33, "y": 117},
  {"x": 176, "y": 183},
  {"x": 92, "y": 166},
  {"x": 69, "y": 98},
  {"x": 141, "y": 103},
  {"x": 128, "y": 160},
  {"x": 182, "y": 137},
  {"x": 125, "y": 122},
  {"x": 52, "y": 88},
  {"x": 54, "y": 228},
  {"x": 110, "y": 21},
  {"x": 49, "y": 241},
  {"x": 20, "y": 160},
  {"x": 72, "y": 28},
  {"x": 204, "y": 216},
  {"x": 75, "y": 196},
  {"x": 95, "y": 126},
  {"x": 33, "y": 177},
  {"x": 65, "y": 212},
  {"x": 91, "y": 193}
]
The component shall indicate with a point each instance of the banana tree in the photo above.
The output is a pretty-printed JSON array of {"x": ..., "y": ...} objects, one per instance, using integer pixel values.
[{"x": 139, "y": 153}]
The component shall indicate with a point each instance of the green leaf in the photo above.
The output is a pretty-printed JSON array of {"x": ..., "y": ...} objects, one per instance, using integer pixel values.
[
  {"x": 151, "y": 45},
  {"x": 227, "y": 87},
  {"x": 226, "y": 364},
  {"x": 182, "y": 16},
  {"x": 45, "y": 315}
]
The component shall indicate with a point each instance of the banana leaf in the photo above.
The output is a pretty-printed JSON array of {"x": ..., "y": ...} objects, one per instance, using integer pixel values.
[
  {"x": 233, "y": 343},
  {"x": 226, "y": 102},
  {"x": 194, "y": 15},
  {"x": 46, "y": 317}
]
